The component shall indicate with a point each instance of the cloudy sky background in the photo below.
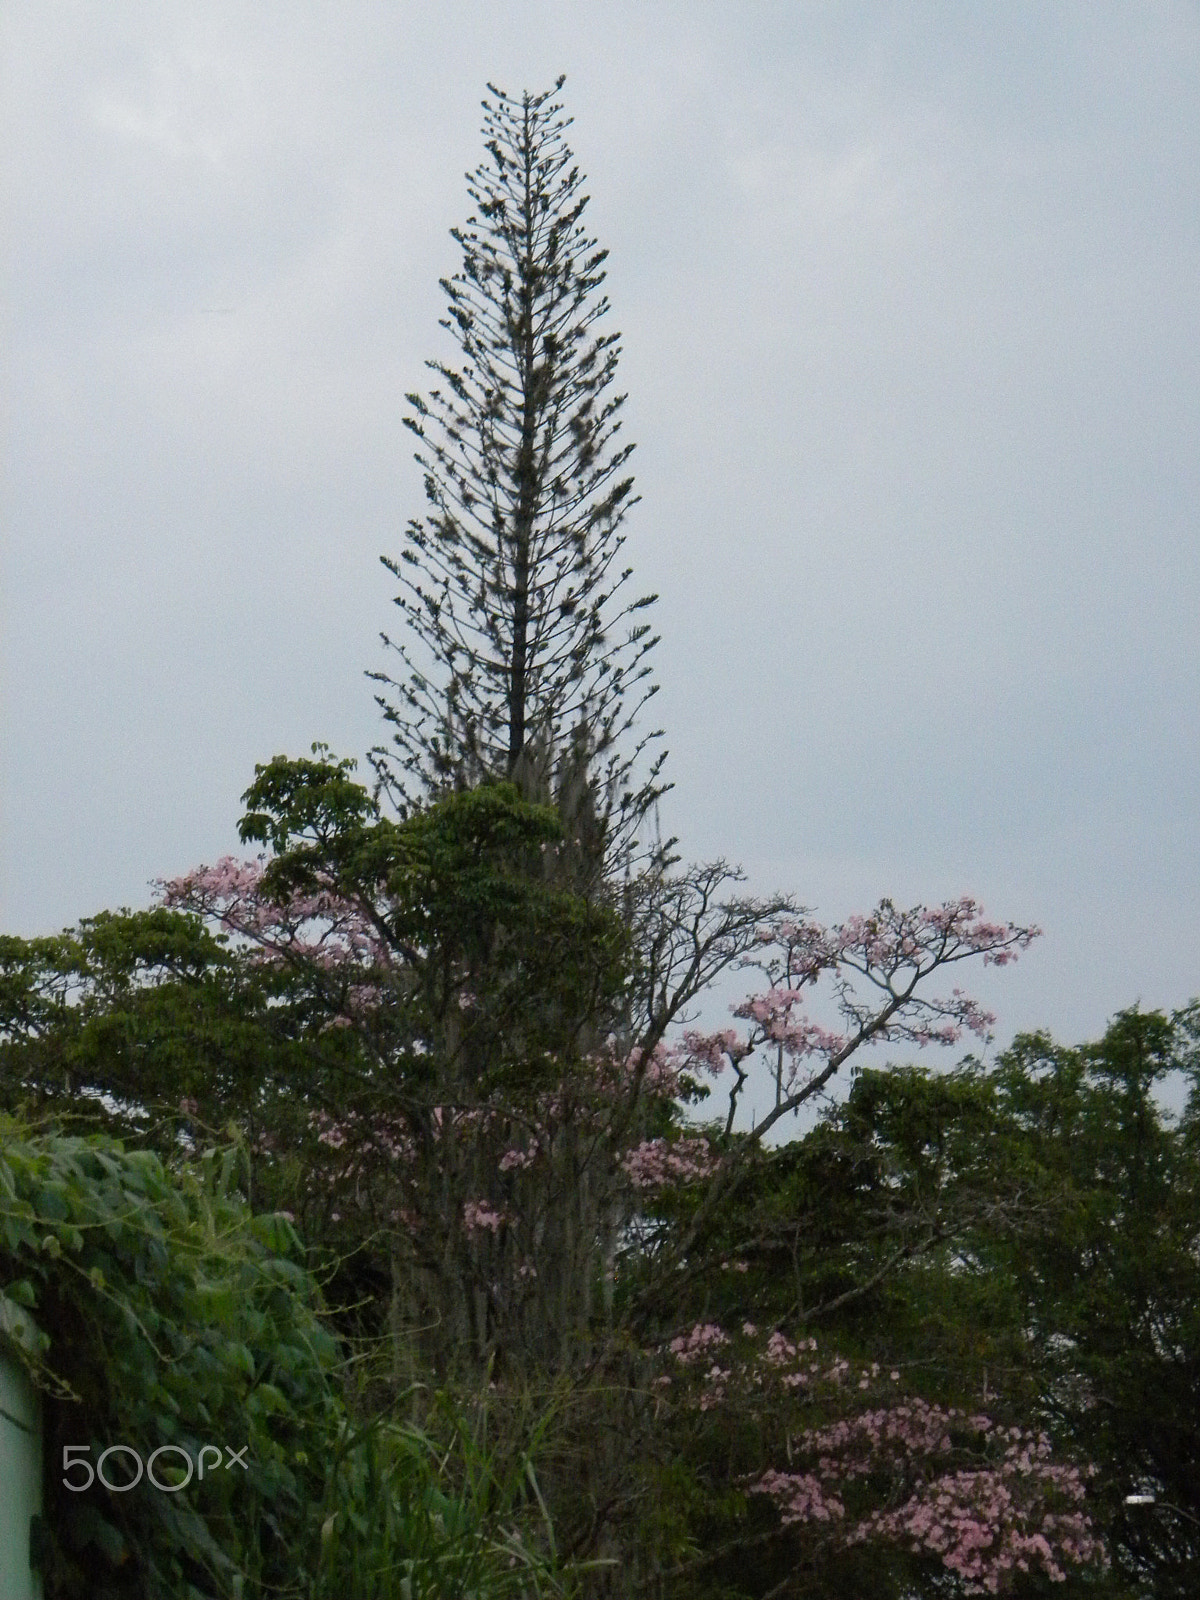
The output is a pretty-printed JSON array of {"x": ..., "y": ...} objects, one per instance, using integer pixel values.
[{"x": 909, "y": 297}]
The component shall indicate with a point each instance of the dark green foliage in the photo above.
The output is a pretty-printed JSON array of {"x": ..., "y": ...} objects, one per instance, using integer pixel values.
[
  {"x": 456, "y": 902},
  {"x": 1108, "y": 1275},
  {"x": 1023, "y": 1240},
  {"x": 436, "y": 1513},
  {"x": 121, "y": 1020},
  {"x": 154, "y": 1310}
]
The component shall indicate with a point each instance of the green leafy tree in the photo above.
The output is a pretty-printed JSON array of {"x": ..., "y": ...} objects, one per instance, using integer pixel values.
[
  {"x": 149, "y": 1024},
  {"x": 1107, "y": 1275}
]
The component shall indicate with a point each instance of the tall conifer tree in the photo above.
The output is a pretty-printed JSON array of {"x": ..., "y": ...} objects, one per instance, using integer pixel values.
[{"x": 523, "y": 658}]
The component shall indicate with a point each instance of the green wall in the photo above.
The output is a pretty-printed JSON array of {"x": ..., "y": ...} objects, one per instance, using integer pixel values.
[{"x": 20, "y": 1480}]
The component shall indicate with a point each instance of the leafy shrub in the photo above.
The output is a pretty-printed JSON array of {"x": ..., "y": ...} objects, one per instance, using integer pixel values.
[{"x": 153, "y": 1309}]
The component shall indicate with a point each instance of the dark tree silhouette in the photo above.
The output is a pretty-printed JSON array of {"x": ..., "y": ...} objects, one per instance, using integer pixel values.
[{"x": 522, "y": 656}]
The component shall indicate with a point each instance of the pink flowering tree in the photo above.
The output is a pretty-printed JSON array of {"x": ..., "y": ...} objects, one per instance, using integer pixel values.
[
  {"x": 498, "y": 1104},
  {"x": 484, "y": 1047},
  {"x": 866, "y": 1475},
  {"x": 803, "y": 1459},
  {"x": 512, "y": 1095},
  {"x": 817, "y": 1470},
  {"x": 881, "y": 976},
  {"x": 879, "y": 968}
]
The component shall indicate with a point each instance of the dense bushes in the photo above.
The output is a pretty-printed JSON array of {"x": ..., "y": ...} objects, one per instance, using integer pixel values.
[
  {"x": 166, "y": 1315},
  {"x": 158, "y": 1314}
]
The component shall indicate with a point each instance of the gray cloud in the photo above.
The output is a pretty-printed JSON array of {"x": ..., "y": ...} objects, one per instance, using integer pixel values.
[{"x": 910, "y": 318}]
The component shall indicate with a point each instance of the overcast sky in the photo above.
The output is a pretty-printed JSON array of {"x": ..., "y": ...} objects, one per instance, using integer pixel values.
[{"x": 909, "y": 298}]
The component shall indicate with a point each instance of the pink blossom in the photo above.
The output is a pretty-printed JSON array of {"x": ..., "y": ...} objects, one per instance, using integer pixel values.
[
  {"x": 985, "y": 1501},
  {"x": 478, "y": 1216},
  {"x": 517, "y": 1160},
  {"x": 701, "y": 1341},
  {"x": 656, "y": 1163},
  {"x": 711, "y": 1052}
]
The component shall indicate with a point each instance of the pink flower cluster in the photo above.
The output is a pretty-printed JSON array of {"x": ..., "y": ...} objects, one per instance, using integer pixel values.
[
  {"x": 877, "y": 967},
  {"x": 377, "y": 1139},
  {"x": 479, "y": 1217},
  {"x": 657, "y": 1163},
  {"x": 712, "y": 1052},
  {"x": 988, "y": 1502},
  {"x": 799, "y": 1496},
  {"x": 322, "y": 928},
  {"x": 697, "y": 1348},
  {"x": 698, "y": 1344},
  {"x": 984, "y": 1530},
  {"x": 656, "y": 1071},
  {"x": 517, "y": 1160}
]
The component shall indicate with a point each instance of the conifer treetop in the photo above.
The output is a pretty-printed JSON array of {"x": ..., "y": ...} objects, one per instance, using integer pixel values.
[{"x": 524, "y": 657}]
